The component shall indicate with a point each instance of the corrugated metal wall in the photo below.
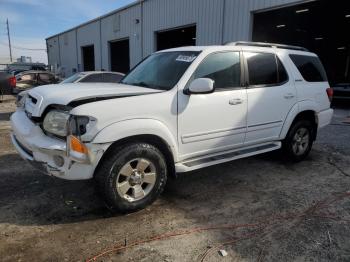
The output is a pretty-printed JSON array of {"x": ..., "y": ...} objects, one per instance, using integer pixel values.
[
  {"x": 53, "y": 51},
  {"x": 89, "y": 35},
  {"x": 166, "y": 14},
  {"x": 217, "y": 22},
  {"x": 68, "y": 59},
  {"x": 128, "y": 28}
]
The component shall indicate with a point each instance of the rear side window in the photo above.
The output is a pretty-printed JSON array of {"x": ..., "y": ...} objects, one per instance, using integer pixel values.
[
  {"x": 310, "y": 67},
  {"x": 223, "y": 68},
  {"x": 93, "y": 78},
  {"x": 265, "y": 69},
  {"x": 46, "y": 78}
]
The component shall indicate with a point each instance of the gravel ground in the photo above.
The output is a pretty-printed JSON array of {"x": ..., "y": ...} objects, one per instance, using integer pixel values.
[{"x": 263, "y": 209}]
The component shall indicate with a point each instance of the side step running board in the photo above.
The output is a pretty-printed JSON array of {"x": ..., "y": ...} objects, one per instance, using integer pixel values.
[{"x": 210, "y": 160}]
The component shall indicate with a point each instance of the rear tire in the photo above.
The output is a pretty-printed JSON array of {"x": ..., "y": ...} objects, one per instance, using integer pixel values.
[
  {"x": 131, "y": 177},
  {"x": 298, "y": 142}
]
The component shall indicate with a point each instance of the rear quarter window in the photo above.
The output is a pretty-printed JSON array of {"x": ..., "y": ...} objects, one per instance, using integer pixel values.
[{"x": 310, "y": 67}]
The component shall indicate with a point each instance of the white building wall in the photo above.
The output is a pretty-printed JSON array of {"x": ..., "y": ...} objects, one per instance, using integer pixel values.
[
  {"x": 53, "y": 51},
  {"x": 89, "y": 34},
  {"x": 68, "y": 53},
  {"x": 166, "y": 14},
  {"x": 217, "y": 22},
  {"x": 128, "y": 29}
]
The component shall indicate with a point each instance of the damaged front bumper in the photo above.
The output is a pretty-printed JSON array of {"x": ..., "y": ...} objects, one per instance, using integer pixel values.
[{"x": 49, "y": 154}]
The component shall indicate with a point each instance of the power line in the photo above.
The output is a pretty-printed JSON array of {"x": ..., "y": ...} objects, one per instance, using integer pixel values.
[{"x": 24, "y": 48}]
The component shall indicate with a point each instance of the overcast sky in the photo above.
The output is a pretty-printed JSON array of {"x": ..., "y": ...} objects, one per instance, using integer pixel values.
[{"x": 31, "y": 21}]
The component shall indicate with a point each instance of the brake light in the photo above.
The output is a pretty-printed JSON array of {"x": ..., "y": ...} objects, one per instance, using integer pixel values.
[
  {"x": 12, "y": 81},
  {"x": 330, "y": 94}
]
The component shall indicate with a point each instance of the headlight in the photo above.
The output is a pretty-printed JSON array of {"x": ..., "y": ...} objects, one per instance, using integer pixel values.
[{"x": 56, "y": 122}]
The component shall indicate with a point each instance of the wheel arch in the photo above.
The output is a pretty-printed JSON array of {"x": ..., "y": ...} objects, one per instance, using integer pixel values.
[
  {"x": 298, "y": 113},
  {"x": 142, "y": 130}
]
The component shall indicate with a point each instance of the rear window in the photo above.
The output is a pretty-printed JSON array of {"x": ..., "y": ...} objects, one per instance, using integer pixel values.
[
  {"x": 93, "y": 78},
  {"x": 112, "y": 78},
  {"x": 310, "y": 67}
]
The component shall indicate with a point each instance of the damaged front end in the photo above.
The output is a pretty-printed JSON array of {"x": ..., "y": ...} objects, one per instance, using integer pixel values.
[{"x": 54, "y": 143}]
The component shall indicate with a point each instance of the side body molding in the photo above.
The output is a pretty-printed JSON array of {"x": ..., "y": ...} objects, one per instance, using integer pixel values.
[
  {"x": 301, "y": 106},
  {"x": 134, "y": 127}
]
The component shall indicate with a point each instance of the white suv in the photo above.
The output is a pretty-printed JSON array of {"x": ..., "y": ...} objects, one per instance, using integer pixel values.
[{"x": 179, "y": 110}]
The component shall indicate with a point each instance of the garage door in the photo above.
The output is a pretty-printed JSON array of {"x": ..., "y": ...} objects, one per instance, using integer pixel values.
[
  {"x": 321, "y": 26},
  {"x": 184, "y": 36},
  {"x": 120, "y": 56}
]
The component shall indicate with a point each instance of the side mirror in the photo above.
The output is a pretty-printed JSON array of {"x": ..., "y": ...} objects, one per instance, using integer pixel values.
[{"x": 201, "y": 86}]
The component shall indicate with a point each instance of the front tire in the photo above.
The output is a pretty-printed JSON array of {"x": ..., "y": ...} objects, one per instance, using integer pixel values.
[
  {"x": 131, "y": 177},
  {"x": 299, "y": 140}
]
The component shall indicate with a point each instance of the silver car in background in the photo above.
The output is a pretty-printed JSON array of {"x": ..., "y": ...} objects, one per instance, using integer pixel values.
[{"x": 94, "y": 77}]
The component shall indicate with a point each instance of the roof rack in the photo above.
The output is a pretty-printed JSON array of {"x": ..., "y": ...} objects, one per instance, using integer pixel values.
[{"x": 261, "y": 44}]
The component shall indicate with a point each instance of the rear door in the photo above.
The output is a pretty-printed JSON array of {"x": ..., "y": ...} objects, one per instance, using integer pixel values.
[{"x": 271, "y": 95}]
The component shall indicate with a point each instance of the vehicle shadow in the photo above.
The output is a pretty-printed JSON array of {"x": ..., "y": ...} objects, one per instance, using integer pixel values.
[
  {"x": 34, "y": 198},
  {"x": 28, "y": 197}
]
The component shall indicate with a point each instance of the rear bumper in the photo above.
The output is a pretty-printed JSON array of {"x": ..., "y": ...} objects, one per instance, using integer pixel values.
[
  {"x": 325, "y": 117},
  {"x": 41, "y": 151}
]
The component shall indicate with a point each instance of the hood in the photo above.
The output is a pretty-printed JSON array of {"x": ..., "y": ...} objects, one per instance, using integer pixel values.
[{"x": 64, "y": 94}]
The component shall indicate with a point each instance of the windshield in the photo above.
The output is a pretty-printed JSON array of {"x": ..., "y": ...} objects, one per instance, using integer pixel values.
[
  {"x": 161, "y": 70},
  {"x": 72, "y": 78}
]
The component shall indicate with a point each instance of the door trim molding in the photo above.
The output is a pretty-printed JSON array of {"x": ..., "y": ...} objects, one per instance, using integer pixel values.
[{"x": 196, "y": 137}]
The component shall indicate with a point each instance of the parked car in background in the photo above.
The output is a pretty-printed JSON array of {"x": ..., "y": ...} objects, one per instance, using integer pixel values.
[
  {"x": 29, "y": 79},
  {"x": 94, "y": 77},
  {"x": 16, "y": 68},
  {"x": 341, "y": 91}
]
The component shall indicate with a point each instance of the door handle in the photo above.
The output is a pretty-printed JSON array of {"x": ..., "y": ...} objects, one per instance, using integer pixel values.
[
  {"x": 289, "y": 96},
  {"x": 235, "y": 101}
]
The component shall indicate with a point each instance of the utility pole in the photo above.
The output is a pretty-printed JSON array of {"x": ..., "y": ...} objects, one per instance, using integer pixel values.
[{"x": 8, "y": 35}]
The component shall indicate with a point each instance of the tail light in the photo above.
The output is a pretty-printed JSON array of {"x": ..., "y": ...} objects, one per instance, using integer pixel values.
[
  {"x": 330, "y": 94},
  {"x": 12, "y": 81}
]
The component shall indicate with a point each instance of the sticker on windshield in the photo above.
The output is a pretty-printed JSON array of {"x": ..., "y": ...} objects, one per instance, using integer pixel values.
[{"x": 186, "y": 58}]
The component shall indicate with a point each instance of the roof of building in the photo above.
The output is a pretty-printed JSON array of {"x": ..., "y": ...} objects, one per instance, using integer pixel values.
[{"x": 137, "y": 2}]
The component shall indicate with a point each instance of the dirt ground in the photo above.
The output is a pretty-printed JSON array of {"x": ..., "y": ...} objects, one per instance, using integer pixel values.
[{"x": 257, "y": 209}]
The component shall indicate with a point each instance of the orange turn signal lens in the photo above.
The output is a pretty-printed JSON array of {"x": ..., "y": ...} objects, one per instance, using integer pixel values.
[{"x": 77, "y": 146}]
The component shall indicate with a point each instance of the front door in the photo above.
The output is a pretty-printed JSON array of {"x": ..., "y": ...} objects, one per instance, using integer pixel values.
[
  {"x": 211, "y": 123},
  {"x": 271, "y": 95}
]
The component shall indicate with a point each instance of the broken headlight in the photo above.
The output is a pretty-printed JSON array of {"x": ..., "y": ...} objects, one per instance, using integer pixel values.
[
  {"x": 56, "y": 122},
  {"x": 79, "y": 125}
]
